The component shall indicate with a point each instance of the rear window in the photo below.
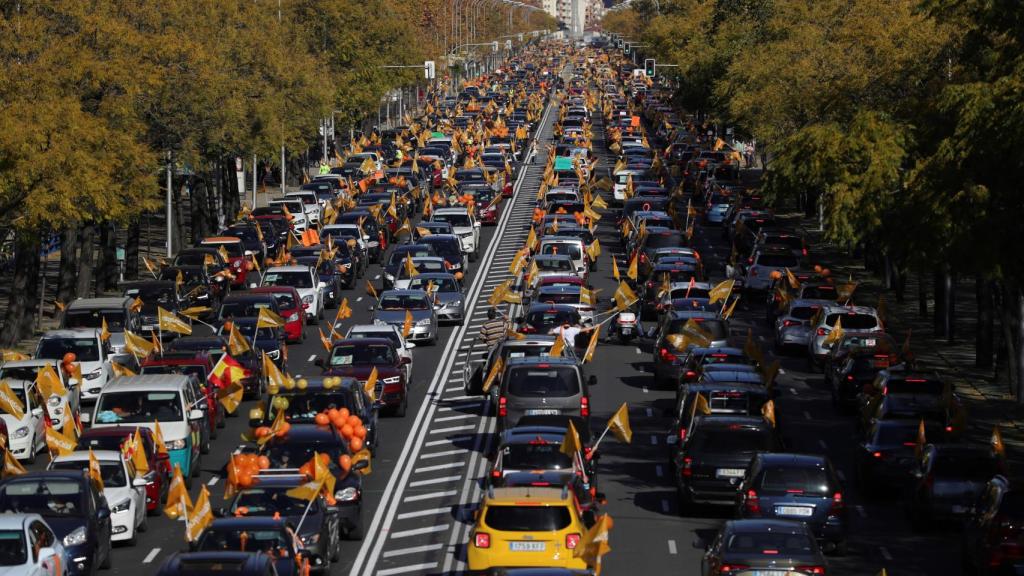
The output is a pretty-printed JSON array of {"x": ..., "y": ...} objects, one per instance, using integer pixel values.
[
  {"x": 783, "y": 479},
  {"x": 731, "y": 401},
  {"x": 535, "y": 457},
  {"x": 571, "y": 250},
  {"x": 964, "y": 466},
  {"x": 528, "y": 518},
  {"x": 853, "y": 321},
  {"x": 718, "y": 329},
  {"x": 819, "y": 293},
  {"x": 912, "y": 386},
  {"x": 559, "y": 298},
  {"x": 777, "y": 261},
  {"x": 771, "y": 543},
  {"x": 727, "y": 440},
  {"x": 803, "y": 312},
  {"x": 664, "y": 240},
  {"x": 537, "y": 382}
]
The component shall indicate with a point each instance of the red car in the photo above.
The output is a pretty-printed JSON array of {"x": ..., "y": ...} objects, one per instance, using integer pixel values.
[
  {"x": 559, "y": 280},
  {"x": 239, "y": 264},
  {"x": 158, "y": 478},
  {"x": 290, "y": 308},
  {"x": 191, "y": 362},
  {"x": 487, "y": 210},
  {"x": 357, "y": 357}
]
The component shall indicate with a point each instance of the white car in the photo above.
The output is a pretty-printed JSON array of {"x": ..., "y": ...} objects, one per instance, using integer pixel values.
[
  {"x": 30, "y": 547},
  {"x": 365, "y": 242},
  {"x": 311, "y": 205},
  {"x": 27, "y": 435},
  {"x": 298, "y": 211},
  {"x": 464, "y": 225},
  {"x": 124, "y": 490},
  {"x": 93, "y": 354},
  {"x": 390, "y": 332},
  {"x": 305, "y": 281}
]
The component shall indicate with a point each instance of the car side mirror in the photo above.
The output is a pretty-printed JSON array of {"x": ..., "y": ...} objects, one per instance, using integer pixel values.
[
  {"x": 103, "y": 513},
  {"x": 321, "y": 285},
  {"x": 139, "y": 483},
  {"x": 405, "y": 360},
  {"x": 46, "y": 552},
  {"x": 37, "y": 411},
  {"x": 476, "y": 224},
  {"x": 196, "y": 414},
  {"x": 362, "y": 464},
  {"x": 85, "y": 417},
  {"x": 318, "y": 362},
  {"x": 370, "y": 307},
  {"x": 410, "y": 345},
  {"x": 220, "y": 512}
]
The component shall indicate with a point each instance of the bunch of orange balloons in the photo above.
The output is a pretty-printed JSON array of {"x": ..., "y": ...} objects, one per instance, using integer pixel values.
[
  {"x": 347, "y": 424},
  {"x": 245, "y": 467}
]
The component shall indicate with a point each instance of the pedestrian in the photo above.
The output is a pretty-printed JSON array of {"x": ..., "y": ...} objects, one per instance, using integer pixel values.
[
  {"x": 494, "y": 329},
  {"x": 325, "y": 168},
  {"x": 568, "y": 331}
]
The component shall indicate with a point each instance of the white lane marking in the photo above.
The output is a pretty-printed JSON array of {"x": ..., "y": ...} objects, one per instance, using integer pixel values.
[
  {"x": 664, "y": 506},
  {"x": 441, "y": 480},
  {"x": 456, "y": 417},
  {"x": 360, "y": 299},
  {"x": 649, "y": 412},
  {"x": 455, "y": 388},
  {"x": 412, "y": 550},
  {"x": 782, "y": 370},
  {"x": 861, "y": 511},
  {"x": 793, "y": 391},
  {"x": 646, "y": 390},
  {"x": 823, "y": 445},
  {"x": 637, "y": 350},
  {"x": 461, "y": 398},
  {"x": 213, "y": 480},
  {"x": 807, "y": 415},
  {"x": 442, "y": 454},
  {"x": 885, "y": 553},
  {"x": 407, "y": 569},
  {"x": 430, "y": 496},
  {"x": 451, "y": 429},
  {"x": 659, "y": 471},
  {"x": 452, "y": 440},
  {"x": 312, "y": 357},
  {"x": 458, "y": 407},
  {"x": 672, "y": 547},
  {"x": 422, "y": 513},
  {"x": 437, "y": 467},
  {"x": 152, "y": 554},
  {"x": 654, "y": 440},
  {"x": 377, "y": 277}
]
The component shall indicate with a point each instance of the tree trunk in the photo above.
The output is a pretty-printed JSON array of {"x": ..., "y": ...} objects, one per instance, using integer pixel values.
[
  {"x": 1018, "y": 303},
  {"x": 181, "y": 238},
  {"x": 86, "y": 262},
  {"x": 901, "y": 284},
  {"x": 106, "y": 261},
  {"x": 949, "y": 319},
  {"x": 131, "y": 251},
  {"x": 983, "y": 343},
  {"x": 922, "y": 295},
  {"x": 67, "y": 284},
  {"x": 23, "y": 303},
  {"x": 939, "y": 311},
  {"x": 1009, "y": 298},
  {"x": 200, "y": 207}
]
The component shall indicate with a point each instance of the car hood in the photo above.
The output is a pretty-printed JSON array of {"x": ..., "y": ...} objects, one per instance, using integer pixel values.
[
  {"x": 119, "y": 494},
  {"x": 13, "y": 423},
  {"x": 449, "y": 297},
  {"x": 362, "y": 371},
  {"x": 62, "y": 526},
  {"x": 397, "y": 317}
]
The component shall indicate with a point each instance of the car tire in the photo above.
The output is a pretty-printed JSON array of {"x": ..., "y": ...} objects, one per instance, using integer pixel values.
[
  {"x": 32, "y": 453},
  {"x": 131, "y": 542},
  {"x": 402, "y": 408},
  {"x": 108, "y": 562},
  {"x": 311, "y": 320},
  {"x": 472, "y": 256},
  {"x": 145, "y": 524},
  {"x": 355, "y": 532}
]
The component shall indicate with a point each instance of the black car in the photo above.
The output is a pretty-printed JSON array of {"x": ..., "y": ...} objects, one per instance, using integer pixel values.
[
  {"x": 710, "y": 464},
  {"x": 541, "y": 318},
  {"x": 272, "y": 536},
  {"x": 318, "y": 530},
  {"x": 448, "y": 247},
  {"x": 198, "y": 287},
  {"x": 993, "y": 532},
  {"x": 763, "y": 547},
  {"x": 725, "y": 397},
  {"x": 164, "y": 294},
  {"x": 799, "y": 487},
  {"x": 396, "y": 260},
  {"x": 217, "y": 563},
  {"x": 886, "y": 458},
  {"x": 949, "y": 480},
  {"x": 371, "y": 228},
  {"x": 243, "y": 305},
  {"x": 74, "y": 509}
]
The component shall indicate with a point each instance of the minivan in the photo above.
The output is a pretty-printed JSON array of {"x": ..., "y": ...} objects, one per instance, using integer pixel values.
[
  {"x": 91, "y": 312},
  {"x": 543, "y": 386}
]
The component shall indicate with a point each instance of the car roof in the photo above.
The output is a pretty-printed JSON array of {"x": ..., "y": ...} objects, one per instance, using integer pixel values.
[
  {"x": 31, "y": 363},
  {"x": 766, "y": 525},
  {"x": 526, "y": 494},
  {"x": 83, "y": 455},
  {"x": 541, "y": 306},
  {"x": 72, "y": 333},
  {"x": 533, "y": 360},
  {"x": 362, "y": 342},
  {"x": 803, "y": 460},
  {"x": 145, "y": 383},
  {"x": 105, "y": 302},
  {"x": 287, "y": 269}
]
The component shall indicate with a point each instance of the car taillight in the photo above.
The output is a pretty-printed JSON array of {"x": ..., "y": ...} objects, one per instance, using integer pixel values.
[
  {"x": 752, "y": 502},
  {"x": 482, "y": 540},
  {"x": 804, "y": 251},
  {"x": 876, "y": 454},
  {"x": 650, "y": 284},
  {"x": 837, "y": 506},
  {"x": 849, "y": 377},
  {"x": 571, "y": 540},
  {"x": 949, "y": 428},
  {"x": 690, "y": 374},
  {"x": 682, "y": 434},
  {"x": 495, "y": 473},
  {"x": 750, "y": 260},
  {"x": 667, "y": 356},
  {"x": 584, "y": 406},
  {"x": 526, "y": 329},
  {"x": 687, "y": 465},
  {"x": 753, "y": 272},
  {"x": 730, "y": 568},
  {"x": 821, "y": 332},
  {"x": 811, "y": 569},
  {"x": 788, "y": 323},
  {"x": 643, "y": 258},
  {"x": 502, "y": 406}
]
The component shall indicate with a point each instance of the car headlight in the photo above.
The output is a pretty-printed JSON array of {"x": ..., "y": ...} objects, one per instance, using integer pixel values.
[
  {"x": 392, "y": 380},
  {"x": 121, "y": 506},
  {"x": 21, "y": 432},
  {"x": 76, "y": 537},
  {"x": 390, "y": 277},
  {"x": 307, "y": 299},
  {"x": 311, "y": 538},
  {"x": 55, "y": 401},
  {"x": 274, "y": 354},
  {"x": 178, "y": 444},
  {"x": 293, "y": 318},
  {"x": 347, "y": 495},
  {"x": 424, "y": 322},
  {"x": 94, "y": 374}
]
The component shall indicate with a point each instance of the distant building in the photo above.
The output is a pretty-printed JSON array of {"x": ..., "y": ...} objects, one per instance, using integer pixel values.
[{"x": 575, "y": 16}]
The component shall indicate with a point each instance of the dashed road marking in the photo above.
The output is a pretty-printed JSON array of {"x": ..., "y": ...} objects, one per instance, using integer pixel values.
[
  {"x": 152, "y": 554},
  {"x": 429, "y": 496},
  {"x": 664, "y": 506},
  {"x": 659, "y": 471},
  {"x": 672, "y": 547},
  {"x": 885, "y": 553},
  {"x": 213, "y": 480},
  {"x": 649, "y": 412},
  {"x": 422, "y": 513},
  {"x": 441, "y": 480},
  {"x": 407, "y": 569},
  {"x": 412, "y": 550}
]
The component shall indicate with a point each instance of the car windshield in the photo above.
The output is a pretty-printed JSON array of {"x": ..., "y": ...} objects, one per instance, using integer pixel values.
[
  {"x": 134, "y": 407},
  {"x": 348, "y": 355},
  {"x": 715, "y": 329},
  {"x": 902, "y": 433},
  {"x": 552, "y": 317},
  {"x": 730, "y": 441},
  {"x": 794, "y": 480},
  {"x": 153, "y": 296},
  {"x": 559, "y": 298},
  {"x": 915, "y": 386},
  {"x": 234, "y": 249},
  {"x": 94, "y": 319},
  {"x": 267, "y": 502},
  {"x": 274, "y": 541},
  {"x": 393, "y": 302},
  {"x": 537, "y": 455},
  {"x": 285, "y": 301},
  {"x": 299, "y": 279},
  {"x": 852, "y": 321},
  {"x": 446, "y": 246},
  {"x": 527, "y": 518},
  {"x": 770, "y": 543},
  {"x": 803, "y": 312},
  {"x": 777, "y": 260},
  {"x": 85, "y": 349},
  {"x": 242, "y": 309},
  {"x": 439, "y": 284},
  {"x": 48, "y": 497},
  {"x": 456, "y": 220},
  {"x": 965, "y": 466},
  {"x": 248, "y": 329},
  {"x": 197, "y": 370},
  {"x": 303, "y": 408},
  {"x": 534, "y": 381},
  {"x": 819, "y": 292},
  {"x": 112, "y": 442},
  {"x": 289, "y": 454},
  {"x": 386, "y": 334},
  {"x": 571, "y": 250},
  {"x": 728, "y": 401},
  {"x": 556, "y": 264},
  {"x": 12, "y": 548},
  {"x": 112, "y": 472}
]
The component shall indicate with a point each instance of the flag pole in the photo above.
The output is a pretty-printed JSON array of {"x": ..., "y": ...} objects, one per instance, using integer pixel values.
[
  {"x": 309, "y": 505},
  {"x": 601, "y": 437}
]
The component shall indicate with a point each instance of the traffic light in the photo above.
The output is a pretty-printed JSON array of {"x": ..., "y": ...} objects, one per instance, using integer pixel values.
[
  {"x": 650, "y": 67},
  {"x": 625, "y": 48},
  {"x": 428, "y": 69}
]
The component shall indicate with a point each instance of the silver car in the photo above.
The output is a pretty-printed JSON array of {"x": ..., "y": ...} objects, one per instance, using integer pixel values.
[
  {"x": 449, "y": 301},
  {"x": 851, "y": 318},
  {"x": 393, "y": 306},
  {"x": 793, "y": 326}
]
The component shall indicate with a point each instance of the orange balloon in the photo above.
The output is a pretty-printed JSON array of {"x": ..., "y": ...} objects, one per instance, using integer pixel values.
[
  {"x": 346, "y": 431},
  {"x": 285, "y": 427},
  {"x": 244, "y": 478},
  {"x": 263, "y": 462},
  {"x": 322, "y": 419},
  {"x": 775, "y": 275},
  {"x": 355, "y": 420},
  {"x": 344, "y": 413},
  {"x": 306, "y": 469},
  {"x": 817, "y": 268},
  {"x": 69, "y": 358},
  {"x": 263, "y": 431},
  {"x": 355, "y": 444},
  {"x": 825, "y": 271},
  {"x": 331, "y": 413},
  {"x": 330, "y": 500},
  {"x": 359, "y": 432},
  {"x": 337, "y": 421},
  {"x": 324, "y": 458},
  {"x": 345, "y": 461}
]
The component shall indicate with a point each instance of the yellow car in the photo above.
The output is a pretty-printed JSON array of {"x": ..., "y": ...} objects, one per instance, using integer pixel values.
[{"x": 526, "y": 527}]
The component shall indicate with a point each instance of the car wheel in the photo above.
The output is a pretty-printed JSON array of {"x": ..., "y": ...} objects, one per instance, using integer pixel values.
[
  {"x": 205, "y": 447},
  {"x": 472, "y": 256},
  {"x": 144, "y": 525},
  {"x": 320, "y": 315},
  {"x": 134, "y": 539},
  {"x": 403, "y": 407},
  {"x": 355, "y": 532},
  {"x": 108, "y": 561},
  {"x": 311, "y": 320},
  {"x": 188, "y": 481},
  {"x": 31, "y": 453}
]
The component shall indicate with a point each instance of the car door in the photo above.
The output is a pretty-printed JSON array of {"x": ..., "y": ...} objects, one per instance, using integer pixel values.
[{"x": 138, "y": 492}]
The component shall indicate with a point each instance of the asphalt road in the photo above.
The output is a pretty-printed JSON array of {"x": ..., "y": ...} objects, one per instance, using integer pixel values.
[{"x": 426, "y": 474}]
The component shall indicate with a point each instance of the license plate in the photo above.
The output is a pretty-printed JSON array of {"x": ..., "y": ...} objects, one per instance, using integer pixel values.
[
  {"x": 769, "y": 573},
  {"x": 730, "y": 472},
  {"x": 958, "y": 509},
  {"x": 527, "y": 546},
  {"x": 627, "y": 331},
  {"x": 544, "y": 412},
  {"x": 802, "y": 511}
]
